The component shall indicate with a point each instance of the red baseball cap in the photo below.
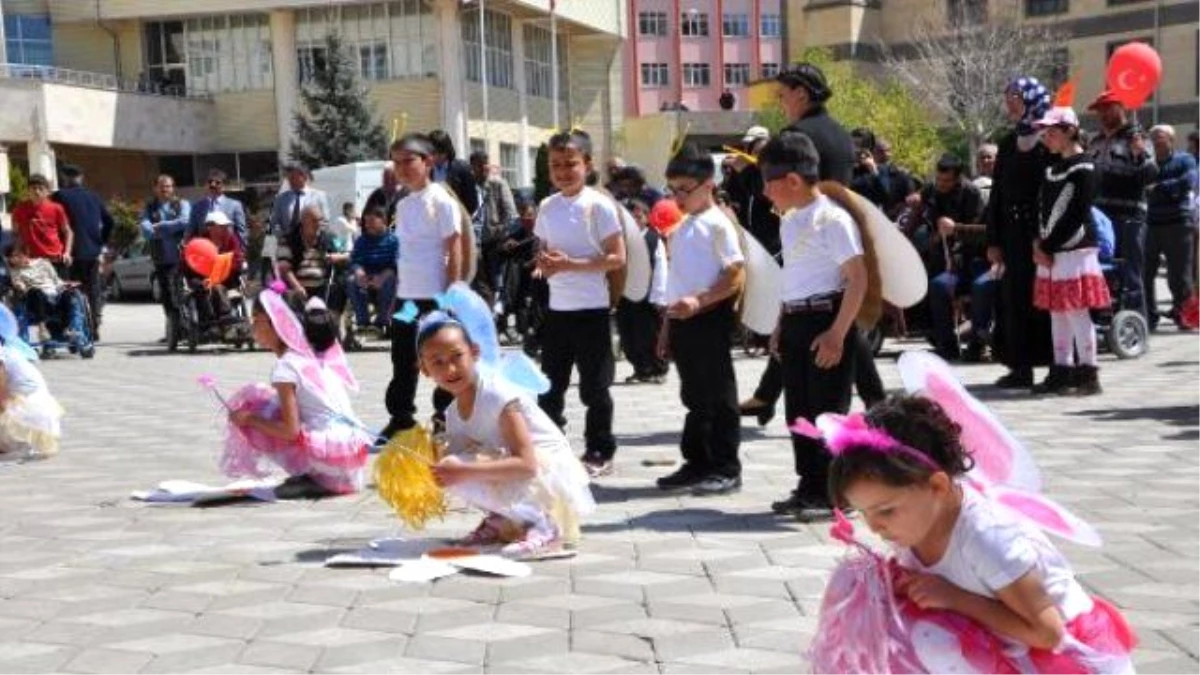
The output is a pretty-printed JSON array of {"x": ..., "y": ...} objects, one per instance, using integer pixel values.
[{"x": 1106, "y": 97}]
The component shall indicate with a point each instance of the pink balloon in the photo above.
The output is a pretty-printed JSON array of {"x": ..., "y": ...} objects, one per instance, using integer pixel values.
[{"x": 1134, "y": 71}]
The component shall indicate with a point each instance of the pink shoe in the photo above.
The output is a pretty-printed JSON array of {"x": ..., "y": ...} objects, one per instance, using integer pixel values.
[
  {"x": 537, "y": 544},
  {"x": 489, "y": 532}
]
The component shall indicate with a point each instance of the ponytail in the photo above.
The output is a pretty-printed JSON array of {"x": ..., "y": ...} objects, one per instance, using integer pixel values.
[{"x": 320, "y": 324}]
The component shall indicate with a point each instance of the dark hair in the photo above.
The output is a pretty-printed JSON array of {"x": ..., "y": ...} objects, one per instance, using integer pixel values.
[
  {"x": 638, "y": 204},
  {"x": 217, "y": 174},
  {"x": 71, "y": 171},
  {"x": 347, "y": 205},
  {"x": 37, "y": 180},
  {"x": 950, "y": 162},
  {"x": 572, "y": 139},
  {"x": 375, "y": 212},
  {"x": 442, "y": 144},
  {"x": 479, "y": 157},
  {"x": 320, "y": 325},
  {"x": 1194, "y": 136},
  {"x": 431, "y": 328},
  {"x": 592, "y": 179},
  {"x": 864, "y": 138},
  {"x": 808, "y": 76},
  {"x": 693, "y": 162},
  {"x": 916, "y": 422},
  {"x": 791, "y": 152},
  {"x": 416, "y": 143}
]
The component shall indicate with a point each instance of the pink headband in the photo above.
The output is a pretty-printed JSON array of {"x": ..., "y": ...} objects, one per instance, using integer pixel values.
[{"x": 846, "y": 433}]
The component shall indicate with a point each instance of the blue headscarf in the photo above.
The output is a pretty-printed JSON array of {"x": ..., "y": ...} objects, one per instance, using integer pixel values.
[{"x": 1037, "y": 102}]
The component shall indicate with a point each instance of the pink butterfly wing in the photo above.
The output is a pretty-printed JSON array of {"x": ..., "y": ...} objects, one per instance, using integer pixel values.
[
  {"x": 286, "y": 324},
  {"x": 335, "y": 359},
  {"x": 1047, "y": 515}
]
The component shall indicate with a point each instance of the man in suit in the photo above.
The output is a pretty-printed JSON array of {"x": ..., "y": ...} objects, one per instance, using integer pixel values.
[
  {"x": 492, "y": 220},
  {"x": 92, "y": 225},
  {"x": 291, "y": 203},
  {"x": 216, "y": 200},
  {"x": 455, "y": 173}
]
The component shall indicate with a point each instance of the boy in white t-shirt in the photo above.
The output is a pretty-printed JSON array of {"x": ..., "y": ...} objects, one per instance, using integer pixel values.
[
  {"x": 580, "y": 240},
  {"x": 429, "y": 227},
  {"x": 703, "y": 280},
  {"x": 824, "y": 283}
]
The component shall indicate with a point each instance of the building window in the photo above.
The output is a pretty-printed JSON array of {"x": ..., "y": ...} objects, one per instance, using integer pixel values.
[
  {"x": 967, "y": 12},
  {"x": 694, "y": 24},
  {"x": 770, "y": 70},
  {"x": 652, "y": 24},
  {"x": 771, "y": 26},
  {"x": 509, "y": 158},
  {"x": 228, "y": 53},
  {"x": 735, "y": 25},
  {"x": 539, "y": 63},
  {"x": 27, "y": 40},
  {"x": 654, "y": 75},
  {"x": 243, "y": 168},
  {"x": 498, "y": 39},
  {"x": 1046, "y": 7},
  {"x": 166, "y": 65},
  {"x": 737, "y": 74},
  {"x": 388, "y": 40},
  {"x": 696, "y": 75}
]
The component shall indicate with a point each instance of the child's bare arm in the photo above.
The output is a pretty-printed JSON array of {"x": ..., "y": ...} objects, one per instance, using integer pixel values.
[{"x": 520, "y": 465}]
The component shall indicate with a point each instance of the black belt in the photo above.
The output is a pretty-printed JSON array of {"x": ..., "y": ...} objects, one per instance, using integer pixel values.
[{"x": 818, "y": 303}]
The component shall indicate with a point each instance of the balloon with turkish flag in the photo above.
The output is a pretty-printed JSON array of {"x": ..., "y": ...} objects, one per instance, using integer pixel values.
[{"x": 1134, "y": 71}]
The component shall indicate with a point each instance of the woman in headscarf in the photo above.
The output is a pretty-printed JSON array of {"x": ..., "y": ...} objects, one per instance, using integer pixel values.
[{"x": 1021, "y": 337}]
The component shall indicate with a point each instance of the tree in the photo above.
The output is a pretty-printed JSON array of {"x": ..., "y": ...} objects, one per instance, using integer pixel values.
[
  {"x": 960, "y": 69},
  {"x": 887, "y": 108},
  {"x": 336, "y": 125}
]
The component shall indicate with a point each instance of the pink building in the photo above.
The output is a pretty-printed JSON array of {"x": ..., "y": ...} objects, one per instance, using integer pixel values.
[{"x": 691, "y": 51}]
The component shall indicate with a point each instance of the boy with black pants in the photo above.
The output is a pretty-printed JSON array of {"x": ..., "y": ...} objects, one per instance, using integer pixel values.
[
  {"x": 824, "y": 283},
  {"x": 638, "y": 322},
  {"x": 581, "y": 239},
  {"x": 703, "y": 280}
]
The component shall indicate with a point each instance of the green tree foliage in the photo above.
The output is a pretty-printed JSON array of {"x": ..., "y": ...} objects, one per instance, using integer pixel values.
[
  {"x": 336, "y": 124},
  {"x": 125, "y": 224},
  {"x": 18, "y": 184},
  {"x": 887, "y": 108}
]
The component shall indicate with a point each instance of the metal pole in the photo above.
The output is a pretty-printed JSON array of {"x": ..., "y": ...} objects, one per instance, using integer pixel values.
[
  {"x": 483, "y": 73},
  {"x": 1157, "y": 45},
  {"x": 554, "y": 65}
]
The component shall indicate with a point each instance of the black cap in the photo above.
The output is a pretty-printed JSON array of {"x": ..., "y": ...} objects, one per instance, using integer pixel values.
[
  {"x": 71, "y": 171},
  {"x": 808, "y": 76}
]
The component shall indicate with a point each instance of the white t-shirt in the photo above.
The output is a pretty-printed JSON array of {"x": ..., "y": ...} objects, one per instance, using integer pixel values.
[
  {"x": 817, "y": 240},
  {"x": 990, "y": 548},
  {"x": 320, "y": 395},
  {"x": 658, "y": 274},
  {"x": 424, "y": 221},
  {"x": 481, "y": 431},
  {"x": 577, "y": 226},
  {"x": 702, "y": 247}
]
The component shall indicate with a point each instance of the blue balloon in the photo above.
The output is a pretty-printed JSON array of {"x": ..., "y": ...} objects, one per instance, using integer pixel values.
[{"x": 408, "y": 312}]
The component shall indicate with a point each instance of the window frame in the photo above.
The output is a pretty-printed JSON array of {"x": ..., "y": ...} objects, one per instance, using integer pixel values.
[
  {"x": 1045, "y": 8},
  {"x": 691, "y": 74},
  {"x": 660, "y": 75},
  {"x": 655, "y": 20},
  {"x": 773, "y": 19},
  {"x": 738, "y": 21},
  {"x": 694, "y": 25},
  {"x": 742, "y": 70}
]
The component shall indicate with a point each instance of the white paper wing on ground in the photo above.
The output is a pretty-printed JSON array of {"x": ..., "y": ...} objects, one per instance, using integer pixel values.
[
  {"x": 186, "y": 491},
  {"x": 637, "y": 259},
  {"x": 383, "y": 553},
  {"x": 492, "y": 564},
  {"x": 764, "y": 283},
  {"x": 1000, "y": 458},
  {"x": 421, "y": 570},
  {"x": 901, "y": 270}
]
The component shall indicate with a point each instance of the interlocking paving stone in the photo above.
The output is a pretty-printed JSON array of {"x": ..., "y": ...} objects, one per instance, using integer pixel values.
[{"x": 91, "y": 582}]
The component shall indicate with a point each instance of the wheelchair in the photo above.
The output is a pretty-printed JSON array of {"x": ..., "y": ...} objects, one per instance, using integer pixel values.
[
  {"x": 1123, "y": 332},
  {"x": 189, "y": 325},
  {"x": 58, "y": 334}
]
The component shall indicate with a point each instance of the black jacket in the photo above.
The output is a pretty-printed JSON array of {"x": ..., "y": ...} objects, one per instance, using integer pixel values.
[
  {"x": 754, "y": 210},
  {"x": 1122, "y": 176},
  {"x": 833, "y": 143},
  {"x": 1066, "y": 206},
  {"x": 90, "y": 220},
  {"x": 887, "y": 188},
  {"x": 461, "y": 182}
]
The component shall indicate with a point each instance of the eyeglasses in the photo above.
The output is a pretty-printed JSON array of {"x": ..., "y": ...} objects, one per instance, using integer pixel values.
[
  {"x": 679, "y": 191},
  {"x": 215, "y": 183}
]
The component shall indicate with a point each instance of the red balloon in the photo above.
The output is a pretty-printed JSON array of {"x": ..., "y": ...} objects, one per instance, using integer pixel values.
[
  {"x": 665, "y": 215},
  {"x": 200, "y": 254},
  {"x": 1134, "y": 71}
]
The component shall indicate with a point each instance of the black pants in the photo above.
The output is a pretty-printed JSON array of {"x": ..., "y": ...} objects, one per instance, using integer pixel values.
[
  {"x": 866, "y": 375},
  {"x": 1021, "y": 333},
  {"x": 638, "y": 324},
  {"x": 581, "y": 339},
  {"x": 810, "y": 390},
  {"x": 1175, "y": 241},
  {"x": 712, "y": 431},
  {"x": 1131, "y": 248},
  {"x": 165, "y": 274},
  {"x": 87, "y": 273},
  {"x": 402, "y": 390}
]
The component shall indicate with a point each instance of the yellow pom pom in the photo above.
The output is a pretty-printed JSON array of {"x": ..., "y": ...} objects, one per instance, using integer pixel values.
[{"x": 404, "y": 478}]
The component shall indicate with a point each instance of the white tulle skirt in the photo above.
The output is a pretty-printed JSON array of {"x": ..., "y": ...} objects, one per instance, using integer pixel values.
[{"x": 31, "y": 424}]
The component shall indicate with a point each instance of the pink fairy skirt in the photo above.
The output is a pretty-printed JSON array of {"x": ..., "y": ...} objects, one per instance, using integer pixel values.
[
  {"x": 335, "y": 456},
  {"x": 865, "y": 628},
  {"x": 1075, "y": 281}
]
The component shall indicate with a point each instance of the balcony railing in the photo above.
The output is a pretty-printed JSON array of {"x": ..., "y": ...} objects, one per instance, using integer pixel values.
[{"x": 105, "y": 81}]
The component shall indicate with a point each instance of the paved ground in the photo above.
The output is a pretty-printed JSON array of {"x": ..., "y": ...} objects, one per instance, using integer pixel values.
[{"x": 92, "y": 582}]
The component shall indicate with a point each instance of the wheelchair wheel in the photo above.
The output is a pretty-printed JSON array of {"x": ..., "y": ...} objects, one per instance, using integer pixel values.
[{"x": 1128, "y": 335}]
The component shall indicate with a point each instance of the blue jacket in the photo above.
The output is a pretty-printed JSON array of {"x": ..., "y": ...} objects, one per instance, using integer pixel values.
[
  {"x": 1170, "y": 196},
  {"x": 163, "y": 225},
  {"x": 90, "y": 221},
  {"x": 375, "y": 254}
]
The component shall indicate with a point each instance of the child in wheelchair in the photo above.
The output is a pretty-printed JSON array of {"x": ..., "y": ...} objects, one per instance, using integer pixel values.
[
  {"x": 57, "y": 308},
  {"x": 372, "y": 277}
]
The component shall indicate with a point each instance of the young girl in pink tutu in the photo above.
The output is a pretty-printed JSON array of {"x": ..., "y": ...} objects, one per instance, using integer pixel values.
[
  {"x": 974, "y": 585},
  {"x": 303, "y": 422}
]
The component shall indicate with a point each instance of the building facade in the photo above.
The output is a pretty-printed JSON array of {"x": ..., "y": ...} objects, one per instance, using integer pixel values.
[
  {"x": 855, "y": 29},
  {"x": 131, "y": 88}
]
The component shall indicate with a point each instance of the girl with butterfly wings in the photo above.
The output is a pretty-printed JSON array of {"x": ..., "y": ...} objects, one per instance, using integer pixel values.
[{"x": 974, "y": 585}]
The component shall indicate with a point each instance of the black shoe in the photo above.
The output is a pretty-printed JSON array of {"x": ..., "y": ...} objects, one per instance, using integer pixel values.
[
  {"x": 1087, "y": 381},
  {"x": 973, "y": 353},
  {"x": 717, "y": 485},
  {"x": 765, "y": 412},
  {"x": 393, "y": 427},
  {"x": 813, "y": 511},
  {"x": 788, "y": 505},
  {"x": 682, "y": 479},
  {"x": 1058, "y": 381},
  {"x": 300, "y": 487},
  {"x": 1016, "y": 379}
]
